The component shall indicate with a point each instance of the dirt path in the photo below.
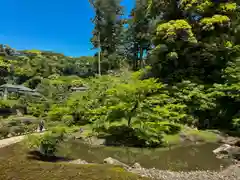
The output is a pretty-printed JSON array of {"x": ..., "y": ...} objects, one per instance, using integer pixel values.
[
  {"x": 9, "y": 141},
  {"x": 13, "y": 140}
]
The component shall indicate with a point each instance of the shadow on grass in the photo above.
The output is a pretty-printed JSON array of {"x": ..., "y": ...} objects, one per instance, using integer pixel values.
[
  {"x": 126, "y": 136},
  {"x": 36, "y": 155},
  {"x": 130, "y": 137},
  {"x": 122, "y": 136}
]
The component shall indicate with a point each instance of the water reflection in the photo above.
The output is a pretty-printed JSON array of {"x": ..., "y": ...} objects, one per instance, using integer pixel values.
[{"x": 184, "y": 158}]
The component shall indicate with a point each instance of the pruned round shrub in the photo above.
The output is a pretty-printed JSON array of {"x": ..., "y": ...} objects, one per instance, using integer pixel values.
[
  {"x": 13, "y": 122},
  {"x": 5, "y": 104},
  {"x": 68, "y": 120},
  {"x": 21, "y": 125},
  {"x": 59, "y": 131},
  {"x": 28, "y": 120},
  {"x": 30, "y": 128},
  {"x": 17, "y": 130},
  {"x": 56, "y": 113},
  {"x": 4, "y": 131},
  {"x": 48, "y": 142},
  {"x": 52, "y": 124}
]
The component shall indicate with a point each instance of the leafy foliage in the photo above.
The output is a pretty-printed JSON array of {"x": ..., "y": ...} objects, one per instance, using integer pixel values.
[
  {"x": 192, "y": 47},
  {"x": 142, "y": 104},
  {"x": 48, "y": 142}
]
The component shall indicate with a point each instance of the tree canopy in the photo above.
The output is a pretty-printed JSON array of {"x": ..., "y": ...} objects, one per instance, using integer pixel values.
[{"x": 169, "y": 64}]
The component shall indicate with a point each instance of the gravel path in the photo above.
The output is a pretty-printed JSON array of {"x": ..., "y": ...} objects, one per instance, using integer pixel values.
[
  {"x": 13, "y": 140},
  {"x": 231, "y": 173},
  {"x": 9, "y": 141}
]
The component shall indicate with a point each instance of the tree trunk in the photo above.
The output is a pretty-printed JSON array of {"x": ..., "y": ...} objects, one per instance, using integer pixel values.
[
  {"x": 135, "y": 60},
  {"x": 130, "y": 116},
  {"x": 129, "y": 121},
  {"x": 141, "y": 57}
]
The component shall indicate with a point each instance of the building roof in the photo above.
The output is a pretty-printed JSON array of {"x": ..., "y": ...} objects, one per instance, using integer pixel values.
[
  {"x": 18, "y": 87},
  {"x": 83, "y": 88}
]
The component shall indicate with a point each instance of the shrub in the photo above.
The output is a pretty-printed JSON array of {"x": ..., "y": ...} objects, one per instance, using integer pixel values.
[
  {"x": 48, "y": 142},
  {"x": 4, "y": 131},
  {"x": 36, "y": 109},
  {"x": 59, "y": 131},
  {"x": 52, "y": 124},
  {"x": 48, "y": 145},
  {"x": 13, "y": 122},
  {"x": 5, "y": 104},
  {"x": 28, "y": 120},
  {"x": 56, "y": 113},
  {"x": 30, "y": 128},
  {"x": 17, "y": 130},
  {"x": 68, "y": 120}
]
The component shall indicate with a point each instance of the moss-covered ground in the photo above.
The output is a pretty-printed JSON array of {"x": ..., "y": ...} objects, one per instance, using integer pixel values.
[
  {"x": 207, "y": 136},
  {"x": 15, "y": 165}
]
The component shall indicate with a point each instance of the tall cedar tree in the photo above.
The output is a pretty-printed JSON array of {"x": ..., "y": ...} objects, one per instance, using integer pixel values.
[
  {"x": 108, "y": 25},
  {"x": 138, "y": 36}
]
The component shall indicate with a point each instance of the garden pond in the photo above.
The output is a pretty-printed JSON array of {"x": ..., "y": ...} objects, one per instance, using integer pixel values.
[{"x": 182, "y": 158}]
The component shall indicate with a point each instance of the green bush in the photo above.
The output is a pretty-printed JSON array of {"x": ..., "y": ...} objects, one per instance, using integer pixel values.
[
  {"x": 26, "y": 121},
  {"x": 5, "y": 104},
  {"x": 52, "y": 124},
  {"x": 59, "y": 131},
  {"x": 68, "y": 120},
  {"x": 30, "y": 128},
  {"x": 17, "y": 130},
  {"x": 48, "y": 145},
  {"x": 20, "y": 125},
  {"x": 48, "y": 142},
  {"x": 4, "y": 131},
  {"x": 13, "y": 122},
  {"x": 36, "y": 109},
  {"x": 56, "y": 113}
]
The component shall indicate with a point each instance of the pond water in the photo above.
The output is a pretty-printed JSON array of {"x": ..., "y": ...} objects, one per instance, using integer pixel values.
[{"x": 184, "y": 158}]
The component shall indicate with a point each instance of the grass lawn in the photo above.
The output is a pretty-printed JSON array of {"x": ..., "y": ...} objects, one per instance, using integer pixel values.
[
  {"x": 14, "y": 165},
  {"x": 169, "y": 139},
  {"x": 204, "y": 135}
]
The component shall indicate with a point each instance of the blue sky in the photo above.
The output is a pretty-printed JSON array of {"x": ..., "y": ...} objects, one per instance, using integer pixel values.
[{"x": 56, "y": 25}]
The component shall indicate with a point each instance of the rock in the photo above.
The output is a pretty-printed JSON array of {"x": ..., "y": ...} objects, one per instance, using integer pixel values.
[
  {"x": 233, "y": 169},
  {"x": 93, "y": 141},
  {"x": 78, "y": 161},
  {"x": 115, "y": 162},
  {"x": 233, "y": 141},
  {"x": 231, "y": 173},
  {"x": 227, "y": 150},
  {"x": 137, "y": 166},
  {"x": 38, "y": 130},
  {"x": 222, "y": 149},
  {"x": 19, "y": 113}
]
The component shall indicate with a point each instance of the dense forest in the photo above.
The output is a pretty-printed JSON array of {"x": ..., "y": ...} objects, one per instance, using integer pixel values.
[{"x": 170, "y": 64}]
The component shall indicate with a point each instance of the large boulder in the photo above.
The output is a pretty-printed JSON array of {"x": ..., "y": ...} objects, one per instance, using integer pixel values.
[
  {"x": 137, "y": 166},
  {"x": 227, "y": 151},
  {"x": 233, "y": 141},
  {"x": 222, "y": 149},
  {"x": 115, "y": 162}
]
